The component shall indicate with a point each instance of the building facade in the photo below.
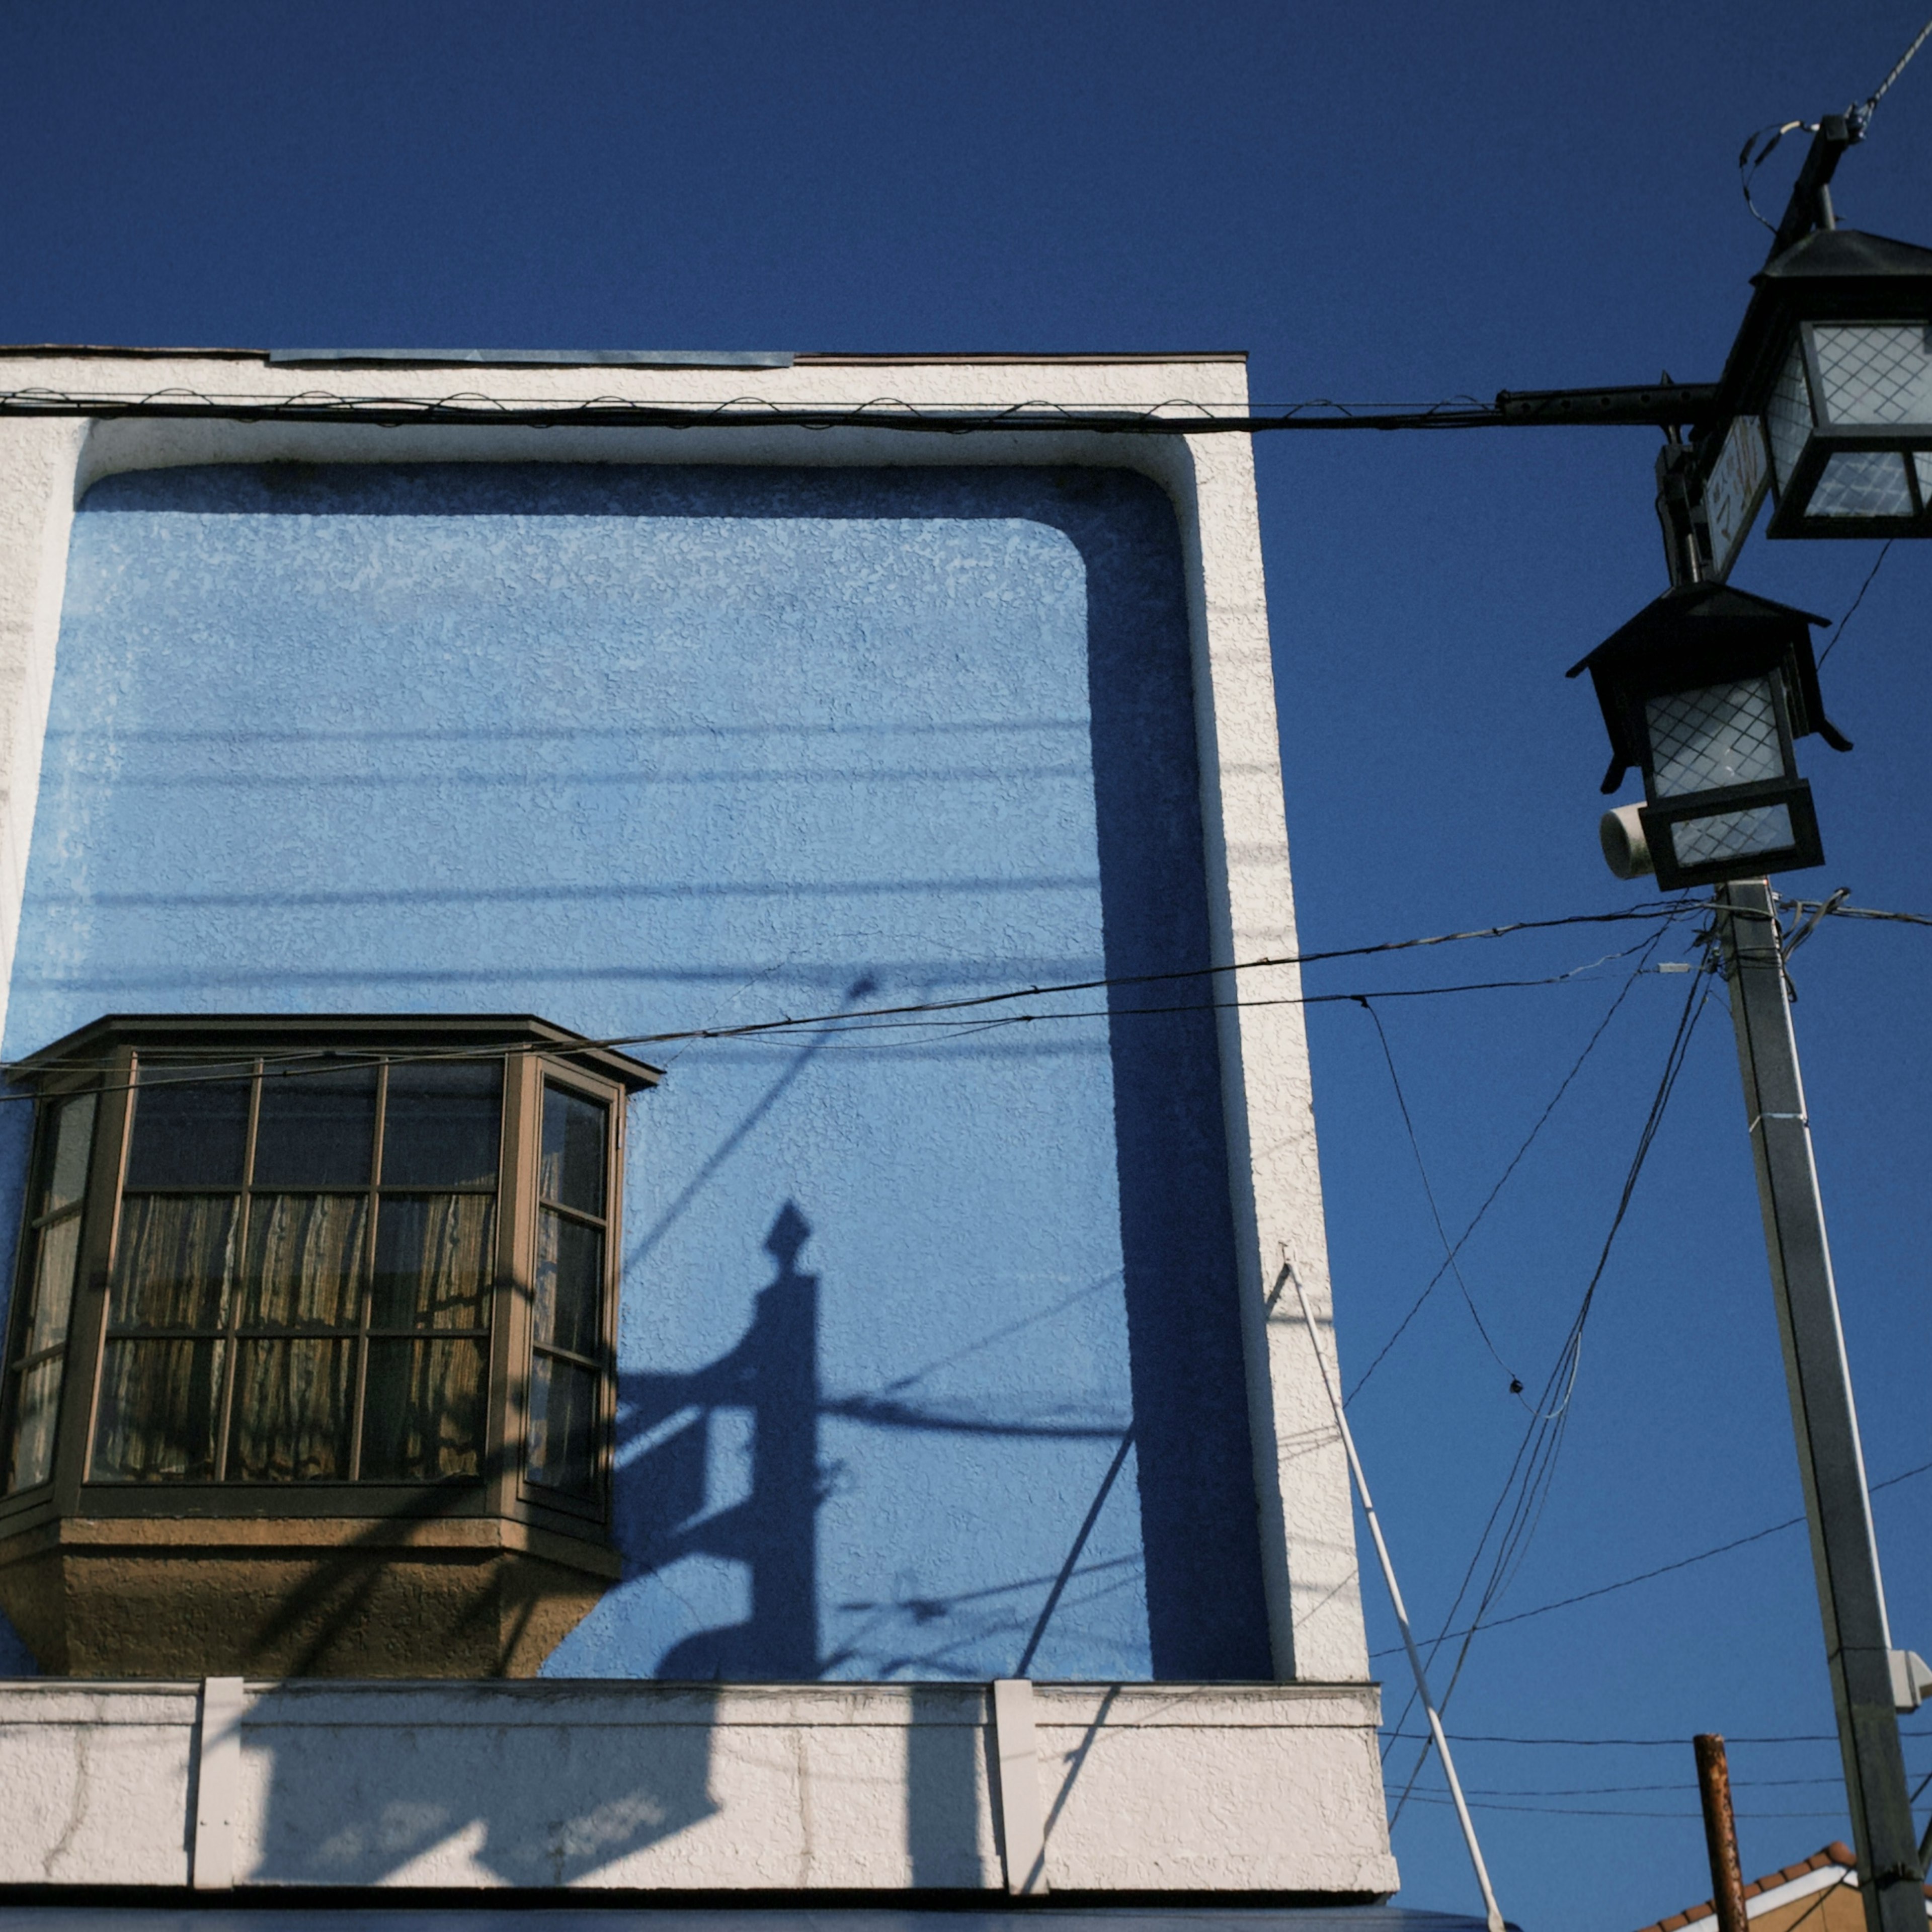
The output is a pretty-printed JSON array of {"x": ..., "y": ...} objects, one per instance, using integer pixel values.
[{"x": 651, "y": 1226}]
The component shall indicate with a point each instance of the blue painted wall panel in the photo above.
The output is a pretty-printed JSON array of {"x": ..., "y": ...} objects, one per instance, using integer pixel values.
[{"x": 929, "y": 1360}]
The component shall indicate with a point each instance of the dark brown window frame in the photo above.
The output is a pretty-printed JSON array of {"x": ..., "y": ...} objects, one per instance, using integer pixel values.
[{"x": 103, "y": 1058}]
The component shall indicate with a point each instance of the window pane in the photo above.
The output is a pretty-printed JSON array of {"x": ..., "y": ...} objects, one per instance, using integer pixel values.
[
  {"x": 443, "y": 1124},
  {"x": 1733, "y": 834},
  {"x": 53, "y": 1285},
  {"x": 570, "y": 1284},
  {"x": 292, "y": 1411},
  {"x": 159, "y": 1402},
  {"x": 1862, "y": 483},
  {"x": 563, "y": 1426},
  {"x": 316, "y": 1130},
  {"x": 422, "y": 1416},
  {"x": 70, "y": 1138},
  {"x": 190, "y": 1128},
  {"x": 305, "y": 1261},
  {"x": 1788, "y": 414},
  {"x": 175, "y": 1262},
  {"x": 1722, "y": 734},
  {"x": 434, "y": 1261},
  {"x": 1876, "y": 374},
  {"x": 573, "y": 1151},
  {"x": 30, "y": 1456}
]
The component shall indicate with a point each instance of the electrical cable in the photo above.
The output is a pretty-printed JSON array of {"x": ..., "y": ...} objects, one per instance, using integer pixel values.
[
  {"x": 1609, "y": 1811},
  {"x": 233, "y": 1067},
  {"x": 1543, "y": 1443},
  {"x": 311, "y": 1060},
  {"x": 1858, "y": 118},
  {"x": 1449, "y": 1247},
  {"x": 1634, "y": 1743},
  {"x": 1657, "y": 405},
  {"x": 1747, "y": 166},
  {"x": 1884, "y": 87},
  {"x": 1877, "y": 562},
  {"x": 1834, "y": 911},
  {"x": 1516, "y": 1160},
  {"x": 1617, "y": 1790},
  {"x": 1533, "y": 1468},
  {"x": 1663, "y": 1569}
]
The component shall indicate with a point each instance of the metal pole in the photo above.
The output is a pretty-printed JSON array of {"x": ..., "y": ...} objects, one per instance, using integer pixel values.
[
  {"x": 1720, "y": 1833},
  {"x": 1490, "y": 1907},
  {"x": 1844, "y": 1552}
]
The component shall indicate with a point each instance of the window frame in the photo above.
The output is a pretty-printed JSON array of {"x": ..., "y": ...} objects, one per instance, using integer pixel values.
[{"x": 105, "y": 1058}]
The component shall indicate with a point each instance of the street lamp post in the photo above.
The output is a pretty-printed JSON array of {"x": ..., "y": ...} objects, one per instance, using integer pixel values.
[
  {"x": 1844, "y": 1550},
  {"x": 1705, "y": 692}
]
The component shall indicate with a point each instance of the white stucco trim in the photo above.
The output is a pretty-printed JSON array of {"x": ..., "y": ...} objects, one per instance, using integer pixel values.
[
  {"x": 1310, "y": 1571},
  {"x": 1016, "y": 1753},
  {"x": 217, "y": 1783},
  {"x": 885, "y": 1787},
  {"x": 39, "y": 460}
]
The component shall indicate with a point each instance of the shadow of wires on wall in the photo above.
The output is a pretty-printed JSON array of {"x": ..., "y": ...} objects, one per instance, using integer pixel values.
[{"x": 1191, "y": 1460}]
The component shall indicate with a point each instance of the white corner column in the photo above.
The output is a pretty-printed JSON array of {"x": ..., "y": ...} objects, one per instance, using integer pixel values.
[
  {"x": 1310, "y": 1571},
  {"x": 40, "y": 458}
]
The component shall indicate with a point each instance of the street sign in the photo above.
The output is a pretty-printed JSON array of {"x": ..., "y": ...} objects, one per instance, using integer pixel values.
[{"x": 1734, "y": 489}]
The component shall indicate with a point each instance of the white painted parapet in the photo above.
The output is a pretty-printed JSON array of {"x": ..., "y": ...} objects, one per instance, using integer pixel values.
[
  {"x": 1143, "y": 1787},
  {"x": 881, "y": 1787},
  {"x": 1310, "y": 1569}
]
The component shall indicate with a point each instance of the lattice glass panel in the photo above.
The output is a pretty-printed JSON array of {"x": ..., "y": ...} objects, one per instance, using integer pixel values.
[
  {"x": 1761, "y": 830},
  {"x": 1725, "y": 734},
  {"x": 1862, "y": 483},
  {"x": 1788, "y": 415},
  {"x": 1923, "y": 462},
  {"x": 1875, "y": 372}
]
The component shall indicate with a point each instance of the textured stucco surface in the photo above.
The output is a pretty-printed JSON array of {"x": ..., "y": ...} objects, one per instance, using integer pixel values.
[
  {"x": 909, "y": 1328},
  {"x": 878, "y": 1786},
  {"x": 94, "y": 1778}
]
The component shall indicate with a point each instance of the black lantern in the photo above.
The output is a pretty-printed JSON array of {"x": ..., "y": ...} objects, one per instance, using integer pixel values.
[
  {"x": 1705, "y": 691},
  {"x": 1832, "y": 371}
]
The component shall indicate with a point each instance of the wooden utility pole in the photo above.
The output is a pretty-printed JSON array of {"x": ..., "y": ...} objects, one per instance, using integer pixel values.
[{"x": 1720, "y": 1832}]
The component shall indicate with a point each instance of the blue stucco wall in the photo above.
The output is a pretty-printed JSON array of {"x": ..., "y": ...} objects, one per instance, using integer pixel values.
[{"x": 929, "y": 1359}]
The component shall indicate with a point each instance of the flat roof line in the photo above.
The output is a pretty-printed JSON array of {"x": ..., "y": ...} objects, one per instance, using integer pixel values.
[
  {"x": 825, "y": 356},
  {"x": 641, "y": 357}
]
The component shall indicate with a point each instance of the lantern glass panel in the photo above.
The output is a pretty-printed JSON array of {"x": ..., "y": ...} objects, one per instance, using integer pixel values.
[
  {"x": 1875, "y": 374},
  {"x": 1862, "y": 483},
  {"x": 1724, "y": 734},
  {"x": 1763, "y": 828},
  {"x": 1788, "y": 414}
]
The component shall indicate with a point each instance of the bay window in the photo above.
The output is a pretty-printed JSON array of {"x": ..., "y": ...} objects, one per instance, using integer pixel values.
[{"x": 303, "y": 1271}]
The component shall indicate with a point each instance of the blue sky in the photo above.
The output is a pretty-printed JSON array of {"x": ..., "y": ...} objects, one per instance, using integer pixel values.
[{"x": 1378, "y": 202}]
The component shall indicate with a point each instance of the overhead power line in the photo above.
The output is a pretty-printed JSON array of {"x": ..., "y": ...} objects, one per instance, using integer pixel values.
[
  {"x": 1838, "y": 635},
  {"x": 1663, "y": 1569},
  {"x": 1652, "y": 405},
  {"x": 1884, "y": 87},
  {"x": 1631, "y": 1743},
  {"x": 1516, "y": 1161},
  {"x": 1519, "y": 1508},
  {"x": 296, "y": 1062}
]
